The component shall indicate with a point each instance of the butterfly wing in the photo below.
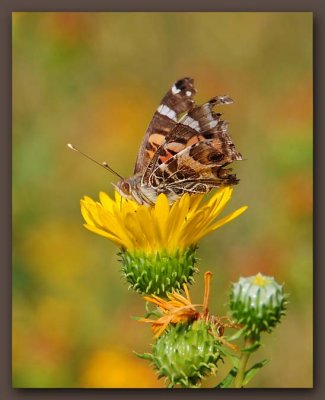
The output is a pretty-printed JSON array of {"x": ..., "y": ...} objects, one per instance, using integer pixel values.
[
  {"x": 194, "y": 155},
  {"x": 178, "y": 100}
]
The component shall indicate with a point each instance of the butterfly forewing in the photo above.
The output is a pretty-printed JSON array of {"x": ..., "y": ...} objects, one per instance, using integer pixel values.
[{"x": 178, "y": 100}]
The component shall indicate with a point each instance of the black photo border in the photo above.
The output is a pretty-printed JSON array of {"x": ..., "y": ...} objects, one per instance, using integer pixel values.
[{"x": 6, "y": 9}]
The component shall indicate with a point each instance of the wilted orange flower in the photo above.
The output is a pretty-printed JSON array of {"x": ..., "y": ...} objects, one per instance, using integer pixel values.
[
  {"x": 177, "y": 309},
  {"x": 180, "y": 309}
]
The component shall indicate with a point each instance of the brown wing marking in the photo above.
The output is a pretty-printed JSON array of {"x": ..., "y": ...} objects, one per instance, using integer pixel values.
[
  {"x": 197, "y": 168},
  {"x": 201, "y": 123},
  {"x": 178, "y": 100}
]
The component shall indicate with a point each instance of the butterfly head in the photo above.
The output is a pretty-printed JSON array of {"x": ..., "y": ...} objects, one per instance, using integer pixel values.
[
  {"x": 127, "y": 188},
  {"x": 131, "y": 189},
  {"x": 124, "y": 188}
]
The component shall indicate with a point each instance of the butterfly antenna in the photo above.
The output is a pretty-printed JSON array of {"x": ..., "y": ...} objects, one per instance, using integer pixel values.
[{"x": 103, "y": 164}]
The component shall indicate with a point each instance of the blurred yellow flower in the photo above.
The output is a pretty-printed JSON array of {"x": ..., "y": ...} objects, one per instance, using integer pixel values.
[
  {"x": 115, "y": 367},
  {"x": 135, "y": 227}
]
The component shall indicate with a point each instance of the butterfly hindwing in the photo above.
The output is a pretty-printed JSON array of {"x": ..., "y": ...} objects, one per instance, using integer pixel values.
[
  {"x": 197, "y": 168},
  {"x": 193, "y": 155}
]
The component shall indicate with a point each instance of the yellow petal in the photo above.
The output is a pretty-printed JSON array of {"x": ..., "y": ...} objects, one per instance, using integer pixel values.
[
  {"x": 162, "y": 213},
  {"x": 193, "y": 227},
  {"x": 110, "y": 223},
  {"x": 118, "y": 197},
  {"x": 90, "y": 212},
  {"x": 104, "y": 234},
  {"x": 150, "y": 228},
  {"x": 106, "y": 201},
  {"x": 135, "y": 232},
  {"x": 178, "y": 214},
  {"x": 218, "y": 202},
  {"x": 195, "y": 201},
  {"x": 223, "y": 221},
  {"x": 87, "y": 215},
  {"x": 153, "y": 228}
]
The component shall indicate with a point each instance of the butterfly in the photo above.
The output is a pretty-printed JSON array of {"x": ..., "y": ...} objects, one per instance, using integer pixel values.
[{"x": 185, "y": 149}]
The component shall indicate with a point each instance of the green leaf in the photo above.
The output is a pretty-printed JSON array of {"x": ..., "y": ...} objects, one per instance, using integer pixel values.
[
  {"x": 233, "y": 357},
  {"x": 251, "y": 348},
  {"x": 253, "y": 371},
  {"x": 135, "y": 318},
  {"x": 227, "y": 381},
  {"x": 145, "y": 356},
  {"x": 148, "y": 311},
  {"x": 236, "y": 335},
  {"x": 151, "y": 313}
]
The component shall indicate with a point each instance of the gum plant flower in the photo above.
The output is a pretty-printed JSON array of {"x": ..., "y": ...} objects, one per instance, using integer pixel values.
[
  {"x": 189, "y": 340},
  {"x": 258, "y": 303},
  {"x": 157, "y": 243}
]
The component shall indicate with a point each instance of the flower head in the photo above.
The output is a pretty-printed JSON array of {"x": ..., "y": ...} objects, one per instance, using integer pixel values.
[
  {"x": 179, "y": 309},
  {"x": 136, "y": 227},
  {"x": 258, "y": 302},
  {"x": 189, "y": 342},
  {"x": 158, "y": 242},
  {"x": 186, "y": 354}
]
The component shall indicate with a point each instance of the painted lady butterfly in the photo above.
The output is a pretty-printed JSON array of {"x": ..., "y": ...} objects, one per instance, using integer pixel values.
[{"x": 185, "y": 149}]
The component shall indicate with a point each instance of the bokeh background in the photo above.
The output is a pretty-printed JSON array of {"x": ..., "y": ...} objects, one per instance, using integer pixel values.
[{"x": 95, "y": 79}]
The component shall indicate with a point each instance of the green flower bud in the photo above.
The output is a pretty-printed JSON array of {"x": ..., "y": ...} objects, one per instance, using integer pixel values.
[
  {"x": 258, "y": 303},
  {"x": 185, "y": 354},
  {"x": 158, "y": 273}
]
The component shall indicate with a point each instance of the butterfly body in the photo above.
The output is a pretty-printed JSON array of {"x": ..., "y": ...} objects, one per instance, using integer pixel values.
[
  {"x": 185, "y": 149},
  {"x": 133, "y": 189}
]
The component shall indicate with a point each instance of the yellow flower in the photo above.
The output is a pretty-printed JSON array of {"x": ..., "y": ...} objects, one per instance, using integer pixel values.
[
  {"x": 134, "y": 227},
  {"x": 157, "y": 244}
]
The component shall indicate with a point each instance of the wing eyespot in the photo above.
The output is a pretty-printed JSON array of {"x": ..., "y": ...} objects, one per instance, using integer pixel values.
[
  {"x": 208, "y": 135},
  {"x": 215, "y": 157}
]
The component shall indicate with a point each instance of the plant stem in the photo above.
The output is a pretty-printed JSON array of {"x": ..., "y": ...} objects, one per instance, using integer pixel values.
[{"x": 243, "y": 363}]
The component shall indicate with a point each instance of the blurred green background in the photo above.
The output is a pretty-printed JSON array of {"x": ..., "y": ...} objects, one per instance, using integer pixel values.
[{"x": 95, "y": 79}]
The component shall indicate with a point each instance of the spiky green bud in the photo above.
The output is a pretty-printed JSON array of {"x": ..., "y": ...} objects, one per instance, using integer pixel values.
[
  {"x": 158, "y": 273},
  {"x": 258, "y": 303},
  {"x": 185, "y": 354}
]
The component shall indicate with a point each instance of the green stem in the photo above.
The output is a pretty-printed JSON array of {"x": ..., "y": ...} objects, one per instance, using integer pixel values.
[{"x": 243, "y": 363}]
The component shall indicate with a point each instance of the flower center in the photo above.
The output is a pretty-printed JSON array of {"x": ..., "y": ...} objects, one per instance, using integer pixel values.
[{"x": 260, "y": 280}]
